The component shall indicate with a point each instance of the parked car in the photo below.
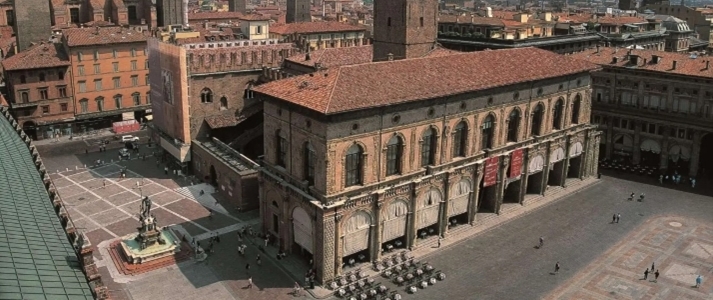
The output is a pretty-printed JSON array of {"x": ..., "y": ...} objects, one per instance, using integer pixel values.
[
  {"x": 125, "y": 153},
  {"x": 129, "y": 138}
]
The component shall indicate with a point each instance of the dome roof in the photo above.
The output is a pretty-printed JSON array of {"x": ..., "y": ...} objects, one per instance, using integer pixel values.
[{"x": 675, "y": 24}]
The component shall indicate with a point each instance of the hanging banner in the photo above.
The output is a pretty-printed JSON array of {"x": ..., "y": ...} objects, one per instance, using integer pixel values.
[
  {"x": 491, "y": 171},
  {"x": 516, "y": 163}
]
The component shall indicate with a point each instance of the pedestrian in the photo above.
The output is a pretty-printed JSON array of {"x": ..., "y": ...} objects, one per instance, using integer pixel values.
[
  {"x": 250, "y": 282},
  {"x": 660, "y": 179},
  {"x": 656, "y": 276},
  {"x": 699, "y": 280},
  {"x": 210, "y": 214},
  {"x": 613, "y": 219},
  {"x": 165, "y": 170},
  {"x": 259, "y": 261},
  {"x": 86, "y": 150},
  {"x": 653, "y": 266},
  {"x": 542, "y": 242},
  {"x": 247, "y": 268},
  {"x": 267, "y": 240},
  {"x": 646, "y": 274},
  {"x": 557, "y": 267},
  {"x": 618, "y": 217},
  {"x": 104, "y": 183},
  {"x": 439, "y": 241},
  {"x": 693, "y": 182},
  {"x": 217, "y": 238}
]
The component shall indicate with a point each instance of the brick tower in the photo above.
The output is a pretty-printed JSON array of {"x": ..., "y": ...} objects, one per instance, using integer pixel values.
[
  {"x": 32, "y": 22},
  {"x": 298, "y": 11},
  {"x": 404, "y": 28},
  {"x": 237, "y": 6}
]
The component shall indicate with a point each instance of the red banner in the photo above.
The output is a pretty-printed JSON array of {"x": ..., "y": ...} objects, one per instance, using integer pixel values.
[
  {"x": 516, "y": 163},
  {"x": 491, "y": 171}
]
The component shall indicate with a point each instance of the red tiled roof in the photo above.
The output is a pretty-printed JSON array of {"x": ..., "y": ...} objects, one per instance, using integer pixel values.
[
  {"x": 346, "y": 56},
  {"x": 467, "y": 20},
  {"x": 221, "y": 121},
  {"x": 607, "y": 20},
  {"x": 102, "y": 36},
  {"x": 350, "y": 88},
  {"x": 200, "y": 16},
  {"x": 685, "y": 65},
  {"x": 314, "y": 27},
  {"x": 44, "y": 55}
]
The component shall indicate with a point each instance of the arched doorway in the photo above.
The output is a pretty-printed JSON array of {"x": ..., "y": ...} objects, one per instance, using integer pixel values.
[
  {"x": 678, "y": 159},
  {"x": 30, "y": 129},
  {"x": 575, "y": 160},
  {"x": 650, "y": 153},
  {"x": 427, "y": 210},
  {"x": 557, "y": 162},
  {"x": 213, "y": 176},
  {"x": 394, "y": 219},
  {"x": 458, "y": 202},
  {"x": 534, "y": 175},
  {"x": 623, "y": 147},
  {"x": 355, "y": 241},
  {"x": 705, "y": 165},
  {"x": 302, "y": 231}
]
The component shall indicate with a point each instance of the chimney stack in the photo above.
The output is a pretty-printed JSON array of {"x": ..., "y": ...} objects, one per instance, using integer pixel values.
[
  {"x": 674, "y": 65},
  {"x": 614, "y": 60},
  {"x": 307, "y": 56},
  {"x": 390, "y": 56},
  {"x": 655, "y": 59},
  {"x": 597, "y": 48},
  {"x": 96, "y": 31},
  {"x": 708, "y": 64}
]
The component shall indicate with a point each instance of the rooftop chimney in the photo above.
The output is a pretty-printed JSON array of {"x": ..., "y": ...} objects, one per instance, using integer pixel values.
[
  {"x": 96, "y": 31},
  {"x": 597, "y": 48},
  {"x": 655, "y": 59},
  {"x": 674, "y": 65},
  {"x": 390, "y": 56},
  {"x": 307, "y": 56},
  {"x": 708, "y": 64},
  {"x": 614, "y": 60}
]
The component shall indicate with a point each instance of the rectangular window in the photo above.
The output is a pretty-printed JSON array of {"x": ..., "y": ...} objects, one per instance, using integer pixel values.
[
  {"x": 62, "y": 91},
  {"x": 133, "y": 65},
  {"x": 63, "y": 106},
  {"x": 282, "y": 151},
  {"x": 134, "y": 80},
  {"x": 146, "y": 64},
  {"x": 146, "y": 79},
  {"x": 79, "y": 56},
  {"x": 25, "y": 96},
  {"x": 137, "y": 99},
  {"x": 393, "y": 161},
  {"x": 80, "y": 70},
  {"x": 353, "y": 169},
  {"x": 97, "y": 84},
  {"x": 258, "y": 29},
  {"x": 97, "y": 69},
  {"x": 100, "y": 104},
  {"x": 84, "y": 105},
  {"x": 133, "y": 52},
  {"x": 310, "y": 159},
  {"x": 114, "y": 53},
  {"x": 60, "y": 75},
  {"x": 117, "y": 101},
  {"x": 45, "y": 109},
  {"x": 115, "y": 66},
  {"x": 96, "y": 54},
  {"x": 82, "y": 86},
  {"x": 117, "y": 82},
  {"x": 43, "y": 94},
  {"x": 148, "y": 98}
]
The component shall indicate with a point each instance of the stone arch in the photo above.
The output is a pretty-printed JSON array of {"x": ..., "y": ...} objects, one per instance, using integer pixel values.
[
  {"x": 575, "y": 149},
  {"x": 557, "y": 155},
  {"x": 356, "y": 232},
  {"x": 302, "y": 228},
  {"x": 458, "y": 200},
  {"x": 427, "y": 207},
  {"x": 623, "y": 141},
  {"x": 394, "y": 217},
  {"x": 536, "y": 164},
  {"x": 350, "y": 144}
]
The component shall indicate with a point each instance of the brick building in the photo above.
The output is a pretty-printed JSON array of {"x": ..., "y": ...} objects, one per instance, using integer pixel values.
[
  {"x": 40, "y": 90},
  {"x": 32, "y": 22},
  {"x": 311, "y": 36},
  {"x": 201, "y": 89},
  {"x": 396, "y": 152},
  {"x": 298, "y": 11},
  {"x": 655, "y": 109},
  {"x": 122, "y": 12},
  {"x": 109, "y": 72}
]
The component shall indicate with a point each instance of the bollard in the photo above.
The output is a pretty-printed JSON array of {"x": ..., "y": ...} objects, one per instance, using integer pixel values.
[
  {"x": 67, "y": 169},
  {"x": 76, "y": 167}
]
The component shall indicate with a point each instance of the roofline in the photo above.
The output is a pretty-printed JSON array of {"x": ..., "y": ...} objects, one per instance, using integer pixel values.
[
  {"x": 101, "y": 44},
  {"x": 606, "y": 66},
  {"x": 68, "y": 64}
]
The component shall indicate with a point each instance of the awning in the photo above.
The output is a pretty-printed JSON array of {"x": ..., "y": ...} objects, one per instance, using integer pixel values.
[
  {"x": 678, "y": 151},
  {"x": 651, "y": 146}
]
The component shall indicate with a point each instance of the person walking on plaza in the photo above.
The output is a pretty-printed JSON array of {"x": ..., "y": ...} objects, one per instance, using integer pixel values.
[
  {"x": 618, "y": 217},
  {"x": 646, "y": 274},
  {"x": 542, "y": 242},
  {"x": 693, "y": 182},
  {"x": 439, "y": 241},
  {"x": 613, "y": 219},
  {"x": 165, "y": 170},
  {"x": 250, "y": 282},
  {"x": 557, "y": 267},
  {"x": 699, "y": 280},
  {"x": 656, "y": 276},
  {"x": 653, "y": 266},
  {"x": 104, "y": 183},
  {"x": 210, "y": 214},
  {"x": 247, "y": 268}
]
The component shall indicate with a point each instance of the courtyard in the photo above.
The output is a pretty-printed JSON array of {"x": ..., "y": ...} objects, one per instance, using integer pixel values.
[{"x": 672, "y": 227}]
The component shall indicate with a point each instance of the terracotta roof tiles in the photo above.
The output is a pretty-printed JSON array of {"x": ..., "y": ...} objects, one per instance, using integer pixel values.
[
  {"x": 200, "y": 16},
  {"x": 355, "y": 87},
  {"x": 346, "y": 56},
  {"x": 254, "y": 17},
  {"x": 685, "y": 65},
  {"x": 314, "y": 27},
  {"x": 102, "y": 36},
  {"x": 44, "y": 55},
  {"x": 607, "y": 20},
  {"x": 467, "y": 20}
]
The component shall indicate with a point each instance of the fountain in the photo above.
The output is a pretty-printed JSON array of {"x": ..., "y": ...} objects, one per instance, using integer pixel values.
[{"x": 151, "y": 242}]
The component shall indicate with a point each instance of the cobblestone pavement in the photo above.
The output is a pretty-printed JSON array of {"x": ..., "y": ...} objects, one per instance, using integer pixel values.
[{"x": 503, "y": 263}]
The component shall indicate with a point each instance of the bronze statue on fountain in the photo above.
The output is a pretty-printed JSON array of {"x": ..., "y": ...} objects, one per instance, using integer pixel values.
[{"x": 149, "y": 232}]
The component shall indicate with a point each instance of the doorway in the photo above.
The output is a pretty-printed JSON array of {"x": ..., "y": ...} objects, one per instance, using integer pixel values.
[
  {"x": 705, "y": 165},
  {"x": 575, "y": 166},
  {"x": 512, "y": 192},
  {"x": 213, "y": 176},
  {"x": 534, "y": 183},
  {"x": 487, "y": 198},
  {"x": 29, "y": 129},
  {"x": 555, "y": 176}
]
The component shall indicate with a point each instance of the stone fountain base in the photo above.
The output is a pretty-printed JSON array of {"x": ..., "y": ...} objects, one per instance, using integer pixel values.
[
  {"x": 129, "y": 261},
  {"x": 131, "y": 246}
]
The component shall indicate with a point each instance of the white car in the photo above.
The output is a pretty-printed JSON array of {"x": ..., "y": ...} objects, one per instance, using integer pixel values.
[
  {"x": 129, "y": 138},
  {"x": 124, "y": 153}
]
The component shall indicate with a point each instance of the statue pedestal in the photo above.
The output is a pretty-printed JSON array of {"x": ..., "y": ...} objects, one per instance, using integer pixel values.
[{"x": 150, "y": 245}]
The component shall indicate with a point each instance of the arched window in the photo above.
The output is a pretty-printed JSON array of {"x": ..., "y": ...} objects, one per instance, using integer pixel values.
[
  {"x": 25, "y": 96},
  {"x": 354, "y": 165},
  {"x": 513, "y": 125},
  {"x": 136, "y": 97},
  {"x": 117, "y": 101},
  {"x": 537, "y": 120},
  {"x": 223, "y": 102},
  {"x": 487, "y": 134},
  {"x": 248, "y": 94},
  {"x": 428, "y": 147},
  {"x": 576, "y": 106},
  {"x": 394, "y": 150},
  {"x": 42, "y": 76},
  {"x": 100, "y": 103},
  {"x": 281, "y": 148},
  {"x": 557, "y": 114},
  {"x": 309, "y": 161},
  {"x": 460, "y": 139},
  {"x": 206, "y": 96},
  {"x": 23, "y": 79}
]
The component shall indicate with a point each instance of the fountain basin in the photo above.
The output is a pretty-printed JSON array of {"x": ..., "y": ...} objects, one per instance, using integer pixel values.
[{"x": 135, "y": 255}]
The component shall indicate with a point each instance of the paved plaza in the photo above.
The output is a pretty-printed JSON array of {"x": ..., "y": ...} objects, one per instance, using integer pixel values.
[{"x": 599, "y": 259}]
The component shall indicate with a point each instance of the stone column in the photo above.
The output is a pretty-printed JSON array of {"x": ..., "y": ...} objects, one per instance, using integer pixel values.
[
  {"x": 474, "y": 194},
  {"x": 695, "y": 154},
  {"x": 376, "y": 230},
  {"x": 586, "y": 156},
  {"x": 524, "y": 175},
  {"x": 443, "y": 223},
  {"x": 546, "y": 169},
  {"x": 609, "y": 137},
  {"x": 637, "y": 142},
  {"x": 325, "y": 257},
  {"x": 502, "y": 179},
  {"x": 565, "y": 164},
  {"x": 664, "y": 149},
  {"x": 411, "y": 218}
]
